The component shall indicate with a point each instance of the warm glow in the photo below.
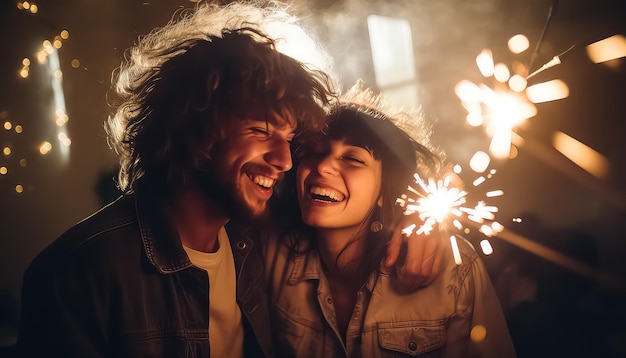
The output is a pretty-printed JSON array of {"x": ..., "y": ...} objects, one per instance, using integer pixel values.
[
  {"x": 478, "y": 333},
  {"x": 18, "y": 129},
  {"x": 19, "y": 188},
  {"x": 485, "y": 62},
  {"x": 500, "y": 146},
  {"x": 439, "y": 201},
  {"x": 3, "y": 170},
  {"x": 479, "y": 162},
  {"x": 501, "y": 72},
  {"x": 467, "y": 91},
  {"x": 57, "y": 44},
  {"x": 584, "y": 156},
  {"x": 24, "y": 73},
  {"x": 6, "y": 151},
  {"x": 497, "y": 227},
  {"x": 518, "y": 43},
  {"x": 42, "y": 57},
  {"x": 23, "y": 163},
  {"x": 75, "y": 63},
  {"x": 64, "y": 139},
  {"x": 547, "y": 91},
  {"x": 474, "y": 119},
  {"x": 393, "y": 56},
  {"x": 485, "y": 245},
  {"x": 478, "y": 181},
  {"x": 517, "y": 83},
  {"x": 34, "y": 8},
  {"x": 65, "y": 34},
  {"x": 494, "y": 193},
  {"x": 45, "y": 148},
  {"x": 61, "y": 118},
  {"x": 455, "y": 250},
  {"x": 7, "y": 125},
  {"x": 608, "y": 49},
  {"x": 487, "y": 231},
  {"x": 26, "y": 5},
  {"x": 26, "y": 62}
]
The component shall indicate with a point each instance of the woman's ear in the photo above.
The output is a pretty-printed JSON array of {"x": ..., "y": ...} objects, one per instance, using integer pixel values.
[{"x": 380, "y": 201}]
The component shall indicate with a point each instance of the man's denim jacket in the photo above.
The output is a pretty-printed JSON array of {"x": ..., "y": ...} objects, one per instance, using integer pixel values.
[
  {"x": 457, "y": 315},
  {"x": 119, "y": 284}
]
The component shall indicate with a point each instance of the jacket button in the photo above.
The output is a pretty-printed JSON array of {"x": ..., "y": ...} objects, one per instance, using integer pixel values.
[
  {"x": 412, "y": 346},
  {"x": 241, "y": 245}
]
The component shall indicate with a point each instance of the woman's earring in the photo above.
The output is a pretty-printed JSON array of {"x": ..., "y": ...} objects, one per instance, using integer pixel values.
[{"x": 376, "y": 226}]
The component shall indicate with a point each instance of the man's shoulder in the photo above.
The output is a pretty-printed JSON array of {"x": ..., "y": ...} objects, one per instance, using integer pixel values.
[{"x": 98, "y": 235}]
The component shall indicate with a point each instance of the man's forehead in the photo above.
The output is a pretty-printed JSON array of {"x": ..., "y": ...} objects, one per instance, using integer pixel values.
[{"x": 277, "y": 122}]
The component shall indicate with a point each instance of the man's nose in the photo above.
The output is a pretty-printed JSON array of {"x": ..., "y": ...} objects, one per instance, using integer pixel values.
[{"x": 279, "y": 155}]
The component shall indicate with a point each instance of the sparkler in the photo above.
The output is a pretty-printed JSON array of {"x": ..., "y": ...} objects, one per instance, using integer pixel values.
[
  {"x": 509, "y": 102},
  {"x": 445, "y": 203}
]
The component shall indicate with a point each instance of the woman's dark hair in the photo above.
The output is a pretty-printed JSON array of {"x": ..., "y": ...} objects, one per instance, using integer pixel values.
[{"x": 360, "y": 119}]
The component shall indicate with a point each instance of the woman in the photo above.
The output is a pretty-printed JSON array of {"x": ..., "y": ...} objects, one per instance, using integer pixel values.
[{"x": 331, "y": 295}]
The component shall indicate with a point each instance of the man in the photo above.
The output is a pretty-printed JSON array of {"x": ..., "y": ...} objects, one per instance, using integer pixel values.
[{"x": 208, "y": 109}]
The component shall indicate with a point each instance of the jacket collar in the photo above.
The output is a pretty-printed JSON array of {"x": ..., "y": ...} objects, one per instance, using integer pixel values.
[
  {"x": 160, "y": 239},
  {"x": 307, "y": 265}
]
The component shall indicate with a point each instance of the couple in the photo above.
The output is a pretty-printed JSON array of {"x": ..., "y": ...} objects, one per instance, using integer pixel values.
[{"x": 210, "y": 113}]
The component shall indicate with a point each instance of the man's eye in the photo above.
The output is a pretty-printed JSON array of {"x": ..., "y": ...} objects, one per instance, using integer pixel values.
[{"x": 261, "y": 131}]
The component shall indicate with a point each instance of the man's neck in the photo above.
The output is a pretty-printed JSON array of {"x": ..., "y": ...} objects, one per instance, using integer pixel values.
[{"x": 197, "y": 220}]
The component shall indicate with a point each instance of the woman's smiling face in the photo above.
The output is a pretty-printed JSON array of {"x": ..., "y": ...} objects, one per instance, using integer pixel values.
[{"x": 338, "y": 185}]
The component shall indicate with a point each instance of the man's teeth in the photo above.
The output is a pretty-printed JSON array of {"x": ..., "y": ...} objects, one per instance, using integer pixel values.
[
  {"x": 263, "y": 181},
  {"x": 325, "y": 194}
]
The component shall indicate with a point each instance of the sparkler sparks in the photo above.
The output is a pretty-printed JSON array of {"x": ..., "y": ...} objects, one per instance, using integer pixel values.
[
  {"x": 445, "y": 203},
  {"x": 510, "y": 101}
]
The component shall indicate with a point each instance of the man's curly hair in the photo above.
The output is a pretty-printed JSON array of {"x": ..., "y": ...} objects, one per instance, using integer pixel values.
[{"x": 180, "y": 84}]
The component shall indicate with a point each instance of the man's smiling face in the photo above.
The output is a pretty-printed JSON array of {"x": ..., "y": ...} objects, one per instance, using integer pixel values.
[{"x": 247, "y": 163}]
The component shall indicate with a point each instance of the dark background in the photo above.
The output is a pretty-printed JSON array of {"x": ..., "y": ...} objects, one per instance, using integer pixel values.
[{"x": 559, "y": 273}]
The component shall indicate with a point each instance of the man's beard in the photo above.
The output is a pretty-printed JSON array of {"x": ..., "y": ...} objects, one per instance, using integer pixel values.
[{"x": 226, "y": 194}]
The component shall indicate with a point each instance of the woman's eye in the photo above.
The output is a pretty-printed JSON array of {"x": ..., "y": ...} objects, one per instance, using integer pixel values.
[{"x": 354, "y": 160}]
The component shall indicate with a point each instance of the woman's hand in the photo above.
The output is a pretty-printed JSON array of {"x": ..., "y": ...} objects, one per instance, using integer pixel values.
[{"x": 415, "y": 259}]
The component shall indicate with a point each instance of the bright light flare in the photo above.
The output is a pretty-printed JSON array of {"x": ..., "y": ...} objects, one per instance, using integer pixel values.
[
  {"x": 581, "y": 154},
  {"x": 500, "y": 111},
  {"x": 547, "y": 91},
  {"x": 45, "y": 148},
  {"x": 479, "y": 161},
  {"x": 484, "y": 61},
  {"x": 293, "y": 41},
  {"x": 485, "y": 245},
  {"x": 501, "y": 72},
  {"x": 439, "y": 201},
  {"x": 517, "y": 83},
  {"x": 455, "y": 250},
  {"x": 518, "y": 43},
  {"x": 443, "y": 202},
  {"x": 607, "y": 49},
  {"x": 468, "y": 91}
]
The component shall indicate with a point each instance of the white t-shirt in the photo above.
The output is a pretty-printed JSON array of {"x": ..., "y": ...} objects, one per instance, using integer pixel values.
[{"x": 225, "y": 326}]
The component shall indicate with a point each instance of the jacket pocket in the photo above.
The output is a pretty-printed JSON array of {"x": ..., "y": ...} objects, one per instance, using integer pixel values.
[
  {"x": 298, "y": 337},
  {"x": 411, "y": 338}
]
